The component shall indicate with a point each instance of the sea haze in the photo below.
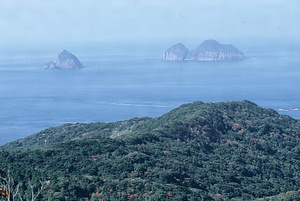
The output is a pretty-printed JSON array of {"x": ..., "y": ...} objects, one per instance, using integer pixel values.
[{"x": 136, "y": 83}]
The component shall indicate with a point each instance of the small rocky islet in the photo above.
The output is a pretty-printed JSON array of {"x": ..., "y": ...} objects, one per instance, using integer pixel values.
[
  {"x": 65, "y": 60},
  {"x": 177, "y": 52},
  {"x": 209, "y": 50}
]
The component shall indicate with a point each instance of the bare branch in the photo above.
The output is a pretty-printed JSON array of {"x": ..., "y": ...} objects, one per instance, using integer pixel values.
[
  {"x": 16, "y": 191},
  {"x": 20, "y": 197},
  {"x": 34, "y": 197}
]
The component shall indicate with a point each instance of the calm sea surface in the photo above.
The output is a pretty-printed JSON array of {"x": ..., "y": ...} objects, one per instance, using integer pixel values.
[{"x": 118, "y": 86}]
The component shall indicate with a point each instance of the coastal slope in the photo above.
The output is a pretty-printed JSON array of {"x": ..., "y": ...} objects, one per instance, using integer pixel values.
[{"x": 208, "y": 151}]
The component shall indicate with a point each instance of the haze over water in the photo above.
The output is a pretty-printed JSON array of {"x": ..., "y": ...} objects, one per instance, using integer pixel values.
[
  {"x": 135, "y": 83},
  {"x": 121, "y": 43}
]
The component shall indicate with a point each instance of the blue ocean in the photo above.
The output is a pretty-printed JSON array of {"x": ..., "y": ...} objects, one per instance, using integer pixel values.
[{"x": 119, "y": 85}]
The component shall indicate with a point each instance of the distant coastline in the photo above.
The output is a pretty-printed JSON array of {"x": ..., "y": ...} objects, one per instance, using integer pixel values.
[{"x": 288, "y": 109}]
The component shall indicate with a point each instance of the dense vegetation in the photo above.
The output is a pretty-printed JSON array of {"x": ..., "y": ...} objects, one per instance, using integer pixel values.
[
  {"x": 288, "y": 196},
  {"x": 209, "y": 151}
]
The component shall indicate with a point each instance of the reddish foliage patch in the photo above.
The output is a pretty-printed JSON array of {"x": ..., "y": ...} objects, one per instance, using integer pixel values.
[
  {"x": 236, "y": 126},
  {"x": 242, "y": 131},
  {"x": 284, "y": 135},
  {"x": 248, "y": 122},
  {"x": 133, "y": 196},
  {"x": 254, "y": 139}
]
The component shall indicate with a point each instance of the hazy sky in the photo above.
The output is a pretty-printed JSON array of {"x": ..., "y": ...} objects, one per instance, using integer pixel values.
[{"x": 35, "y": 22}]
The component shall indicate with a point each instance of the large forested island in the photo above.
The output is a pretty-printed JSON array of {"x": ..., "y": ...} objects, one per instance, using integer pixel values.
[{"x": 199, "y": 151}]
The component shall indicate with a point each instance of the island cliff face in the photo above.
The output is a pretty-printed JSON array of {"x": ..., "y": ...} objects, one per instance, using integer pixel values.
[
  {"x": 177, "y": 52},
  {"x": 65, "y": 60},
  {"x": 209, "y": 50}
]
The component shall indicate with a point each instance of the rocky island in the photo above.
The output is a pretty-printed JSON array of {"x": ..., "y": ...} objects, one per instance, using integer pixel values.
[
  {"x": 65, "y": 60},
  {"x": 177, "y": 52},
  {"x": 209, "y": 50}
]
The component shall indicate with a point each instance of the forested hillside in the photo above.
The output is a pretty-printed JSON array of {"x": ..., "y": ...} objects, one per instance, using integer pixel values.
[{"x": 209, "y": 151}]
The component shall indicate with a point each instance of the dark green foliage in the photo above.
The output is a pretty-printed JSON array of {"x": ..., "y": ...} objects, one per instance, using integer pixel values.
[
  {"x": 72, "y": 132},
  {"x": 209, "y": 151},
  {"x": 288, "y": 196}
]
